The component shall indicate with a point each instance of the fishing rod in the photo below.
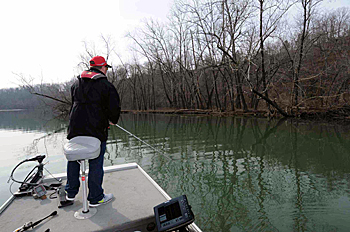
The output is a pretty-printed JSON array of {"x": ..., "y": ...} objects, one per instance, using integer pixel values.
[
  {"x": 161, "y": 152},
  {"x": 29, "y": 225}
]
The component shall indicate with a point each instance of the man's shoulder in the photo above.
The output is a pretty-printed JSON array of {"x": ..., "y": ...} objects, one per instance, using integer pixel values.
[
  {"x": 105, "y": 81},
  {"x": 105, "y": 85}
]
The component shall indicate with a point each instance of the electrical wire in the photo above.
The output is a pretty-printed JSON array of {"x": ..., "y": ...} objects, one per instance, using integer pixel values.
[
  {"x": 50, "y": 196},
  {"x": 11, "y": 189},
  {"x": 27, "y": 177}
]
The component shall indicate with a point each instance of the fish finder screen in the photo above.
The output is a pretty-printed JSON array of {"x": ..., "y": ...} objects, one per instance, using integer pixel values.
[
  {"x": 173, "y": 214},
  {"x": 169, "y": 213},
  {"x": 40, "y": 190}
]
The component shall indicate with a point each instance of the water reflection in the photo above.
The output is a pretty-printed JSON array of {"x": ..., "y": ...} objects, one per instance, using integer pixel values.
[
  {"x": 24, "y": 134},
  {"x": 240, "y": 174},
  {"x": 245, "y": 174},
  {"x": 29, "y": 120}
]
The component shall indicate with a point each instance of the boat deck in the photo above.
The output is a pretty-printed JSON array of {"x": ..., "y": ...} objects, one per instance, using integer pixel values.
[{"x": 135, "y": 195}]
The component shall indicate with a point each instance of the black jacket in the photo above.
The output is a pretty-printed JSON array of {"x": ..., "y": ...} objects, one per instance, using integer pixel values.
[{"x": 95, "y": 102}]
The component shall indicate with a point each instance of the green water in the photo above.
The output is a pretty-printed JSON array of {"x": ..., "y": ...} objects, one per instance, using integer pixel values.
[{"x": 239, "y": 174}]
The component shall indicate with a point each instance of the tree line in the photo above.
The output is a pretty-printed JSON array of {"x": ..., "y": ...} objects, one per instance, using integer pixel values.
[
  {"x": 41, "y": 96},
  {"x": 18, "y": 98},
  {"x": 248, "y": 55},
  {"x": 278, "y": 56}
]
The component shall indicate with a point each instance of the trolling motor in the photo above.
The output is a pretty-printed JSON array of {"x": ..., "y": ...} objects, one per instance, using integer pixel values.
[{"x": 32, "y": 182}]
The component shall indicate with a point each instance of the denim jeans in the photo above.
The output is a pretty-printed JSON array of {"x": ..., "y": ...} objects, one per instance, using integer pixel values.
[{"x": 95, "y": 177}]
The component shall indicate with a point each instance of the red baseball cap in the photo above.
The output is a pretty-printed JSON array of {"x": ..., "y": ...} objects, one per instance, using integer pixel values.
[{"x": 99, "y": 61}]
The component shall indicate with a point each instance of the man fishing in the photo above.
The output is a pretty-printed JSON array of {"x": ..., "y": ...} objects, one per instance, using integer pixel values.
[{"x": 95, "y": 103}]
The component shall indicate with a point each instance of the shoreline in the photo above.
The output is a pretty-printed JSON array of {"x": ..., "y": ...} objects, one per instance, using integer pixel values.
[
  {"x": 340, "y": 115},
  {"x": 11, "y": 110},
  {"x": 329, "y": 115}
]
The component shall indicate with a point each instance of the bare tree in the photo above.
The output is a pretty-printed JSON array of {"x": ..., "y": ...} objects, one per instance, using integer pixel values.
[
  {"x": 305, "y": 41},
  {"x": 270, "y": 15},
  {"x": 55, "y": 96}
]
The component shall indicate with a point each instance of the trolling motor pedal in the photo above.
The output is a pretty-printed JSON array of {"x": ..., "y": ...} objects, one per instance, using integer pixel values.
[{"x": 61, "y": 198}]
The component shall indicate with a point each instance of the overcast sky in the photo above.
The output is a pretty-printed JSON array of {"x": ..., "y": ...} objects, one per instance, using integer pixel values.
[{"x": 43, "y": 39}]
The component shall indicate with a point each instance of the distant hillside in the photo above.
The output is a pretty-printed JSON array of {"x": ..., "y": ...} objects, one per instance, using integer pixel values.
[{"x": 19, "y": 98}]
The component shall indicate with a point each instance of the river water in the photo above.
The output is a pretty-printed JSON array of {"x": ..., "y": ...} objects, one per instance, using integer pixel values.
[{"x": 239, "y": 174}]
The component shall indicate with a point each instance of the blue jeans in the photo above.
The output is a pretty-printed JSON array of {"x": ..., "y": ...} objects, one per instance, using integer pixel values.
[{"x": 95, "y": 177}]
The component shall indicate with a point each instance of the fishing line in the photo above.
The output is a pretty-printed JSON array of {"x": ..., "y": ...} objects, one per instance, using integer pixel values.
[
  {"x": 155, "y": 149},
  {"x": 59, "y": 180}
]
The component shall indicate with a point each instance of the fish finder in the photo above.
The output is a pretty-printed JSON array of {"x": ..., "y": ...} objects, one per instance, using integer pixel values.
[
  {"x": 39, "y": 191},
  {"x": 173, "y": 214}
]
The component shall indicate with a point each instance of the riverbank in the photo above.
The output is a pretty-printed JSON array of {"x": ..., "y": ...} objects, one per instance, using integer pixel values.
[
  {"x": 333, "y": 114},
  {"x": 11, "y": 110}
]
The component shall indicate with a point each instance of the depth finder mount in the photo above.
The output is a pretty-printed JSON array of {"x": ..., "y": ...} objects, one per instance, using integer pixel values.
[{"x": 174, "y": 214}]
